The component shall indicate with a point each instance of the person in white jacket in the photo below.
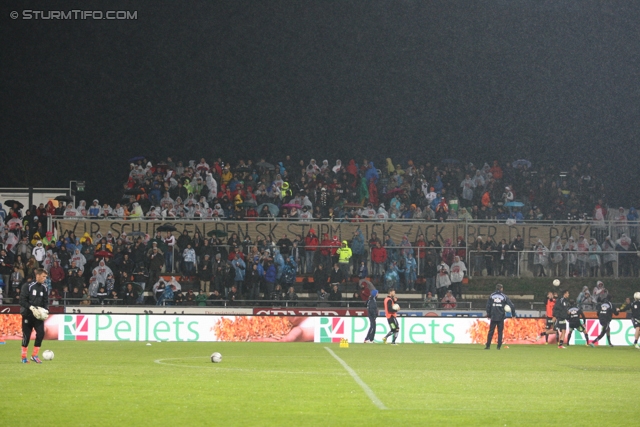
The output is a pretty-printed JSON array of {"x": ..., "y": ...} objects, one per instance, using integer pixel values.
[
  {"x": 458, "y": 270},
  {"x": 442, "y": 279},
  {"x": 39, "y": 253}
]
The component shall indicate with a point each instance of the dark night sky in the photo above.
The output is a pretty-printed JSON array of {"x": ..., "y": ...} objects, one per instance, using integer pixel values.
[{"x": 477, "y": 80}]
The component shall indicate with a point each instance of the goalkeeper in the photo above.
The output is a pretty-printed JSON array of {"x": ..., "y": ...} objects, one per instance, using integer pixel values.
[
  {"x": 391, "y": 314},
  {"x": 34, "y": 303}
]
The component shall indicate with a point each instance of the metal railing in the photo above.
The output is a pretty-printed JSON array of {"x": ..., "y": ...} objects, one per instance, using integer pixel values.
[{"x": 530, "y": 263}]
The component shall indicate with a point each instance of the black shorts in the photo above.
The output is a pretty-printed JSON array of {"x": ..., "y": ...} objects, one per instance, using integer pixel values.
[
  {"x": 393, "y": 324},
  {"x": 561, "y": 325},
  {"x": 550, "y": 323},
  {"x": 636, "y": 323},
  {"x": 604, "y": 323},
  {"x": 577, "y": 326}
]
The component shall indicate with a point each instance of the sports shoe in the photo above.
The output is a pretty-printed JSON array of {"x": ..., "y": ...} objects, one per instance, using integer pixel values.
[
  {"x": 562, "y": 347},
  {"x": 610, "y": 345},
  {"x": 394, "y": 343},
  {"x": 591, "y": 345},
  {"x": 637, "y": 345},
  {"x": 25, "y": 360},
  {"x": 487, "y": 347},
  {"x": 384, "y": 340},
  {"x": 36, "y": 359},
  {"x": 497, "y": 348}
]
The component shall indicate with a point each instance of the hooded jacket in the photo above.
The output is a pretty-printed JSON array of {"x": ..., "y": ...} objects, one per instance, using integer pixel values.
[{"x": 344, "y": 252}]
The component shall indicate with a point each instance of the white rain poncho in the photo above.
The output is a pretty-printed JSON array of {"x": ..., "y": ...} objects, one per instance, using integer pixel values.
[
  {"x": 609, "y": 249},
  {"x": 541, "y": 256},
  {"x": 79, "y": 259},
  {"x": 69, "y": 211},
  {"x": 594, "y": 253},
  {"x": 556, "y": 250},
  {"x": 102, "y": 271},
  {"x": 583, "y": 249}
]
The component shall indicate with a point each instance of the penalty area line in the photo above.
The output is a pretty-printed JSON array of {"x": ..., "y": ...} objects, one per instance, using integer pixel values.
[{"x": 357, "y": 379}]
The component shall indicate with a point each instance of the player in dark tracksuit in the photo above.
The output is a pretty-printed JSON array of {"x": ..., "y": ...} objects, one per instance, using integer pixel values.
[
  {"x": 561, "y": 316},
  {"x": 34, "y": 294},
  {"x": 635, "y": 317},
  {"x": 495, "y": 311},
  {"x": 576, "y": 316},
  {"x": 605, "y": 314},
  {"x": 372, "y": 309}
]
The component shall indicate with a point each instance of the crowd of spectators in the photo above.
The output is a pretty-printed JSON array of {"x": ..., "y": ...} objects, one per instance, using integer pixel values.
[
  {"x": 99, "y": 267},
  {"x": 450, "y": 190}
]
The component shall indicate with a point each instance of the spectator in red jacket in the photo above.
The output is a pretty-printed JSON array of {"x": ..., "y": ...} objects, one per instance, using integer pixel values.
[
  {"x": 57, "y": 275},
  {"x": 310, "y": 248},
  {"x": 325, "y": 251},
  {"x": 335, "y": 245},
  {"x": 378, "y": 259}
]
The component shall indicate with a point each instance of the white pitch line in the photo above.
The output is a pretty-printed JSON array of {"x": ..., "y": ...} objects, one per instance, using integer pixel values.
[{"x": 361, "y": 383}]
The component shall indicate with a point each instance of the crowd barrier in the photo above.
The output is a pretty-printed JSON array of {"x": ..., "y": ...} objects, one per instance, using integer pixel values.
[{"x": 319, "y": 329}]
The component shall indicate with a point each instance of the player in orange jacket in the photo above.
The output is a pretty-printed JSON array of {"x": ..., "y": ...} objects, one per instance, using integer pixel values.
[{"x": 390, "y": 313}]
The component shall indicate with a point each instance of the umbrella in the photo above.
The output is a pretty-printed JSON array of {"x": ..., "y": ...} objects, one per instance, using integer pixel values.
[
  {"x": 134, "y": 191},
  {"x": 166, "y": 227},
  {"x": 136, "y": 234},
  {"x": 521, "y": 162},
  {"x": 242, "y": 169},
  {"x": 104, "y": 254},
  {"x": 217, "y": 233},
  {"x": 292, "y": 205},
  {"x": 273, "y": 209},
  {"x": 64, "y": 199},
  {"x": 10, "y": 203},
  {"x": 450, "y": 161},
  {"x": 265, "y": 165},
  {"x": 136, "y": 286},
  {"x": 135, "y": 159},
  {"x": 514, "y": 204}
]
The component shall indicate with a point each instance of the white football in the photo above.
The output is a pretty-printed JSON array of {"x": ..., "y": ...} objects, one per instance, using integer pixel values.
[
  {"x": 507, "y": 309},
  {"x": 216, "y": 357},
  {"x": 396, "y": 307},
  {"x": 556, "y": 282},
  {"x": 47, "y": 355},
  {"x": 636, "y": 296}
]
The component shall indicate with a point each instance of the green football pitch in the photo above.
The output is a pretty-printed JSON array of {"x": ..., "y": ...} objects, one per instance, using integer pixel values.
[{"x": 307, "y": 384}]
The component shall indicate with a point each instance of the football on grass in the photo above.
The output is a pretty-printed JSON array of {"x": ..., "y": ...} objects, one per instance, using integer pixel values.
[
  {"x": 47, "y": 355},
  {"x": 216, "y": 357},
  {"x": 556, "y": 282},
  {"x": 396, "y": 307}
]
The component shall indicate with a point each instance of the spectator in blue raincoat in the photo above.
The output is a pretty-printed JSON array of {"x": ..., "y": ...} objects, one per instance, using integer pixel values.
[
  {"x": 289, "y": 271},
  {"x": 410, "y": 272},
  {"x": 278, "y": 261},
  {"x": 239, "y": 266},
  {"x": 357, "y": 249},
  {"x": 392, "y": 276},
  {"x": 166, "y": 298}
]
